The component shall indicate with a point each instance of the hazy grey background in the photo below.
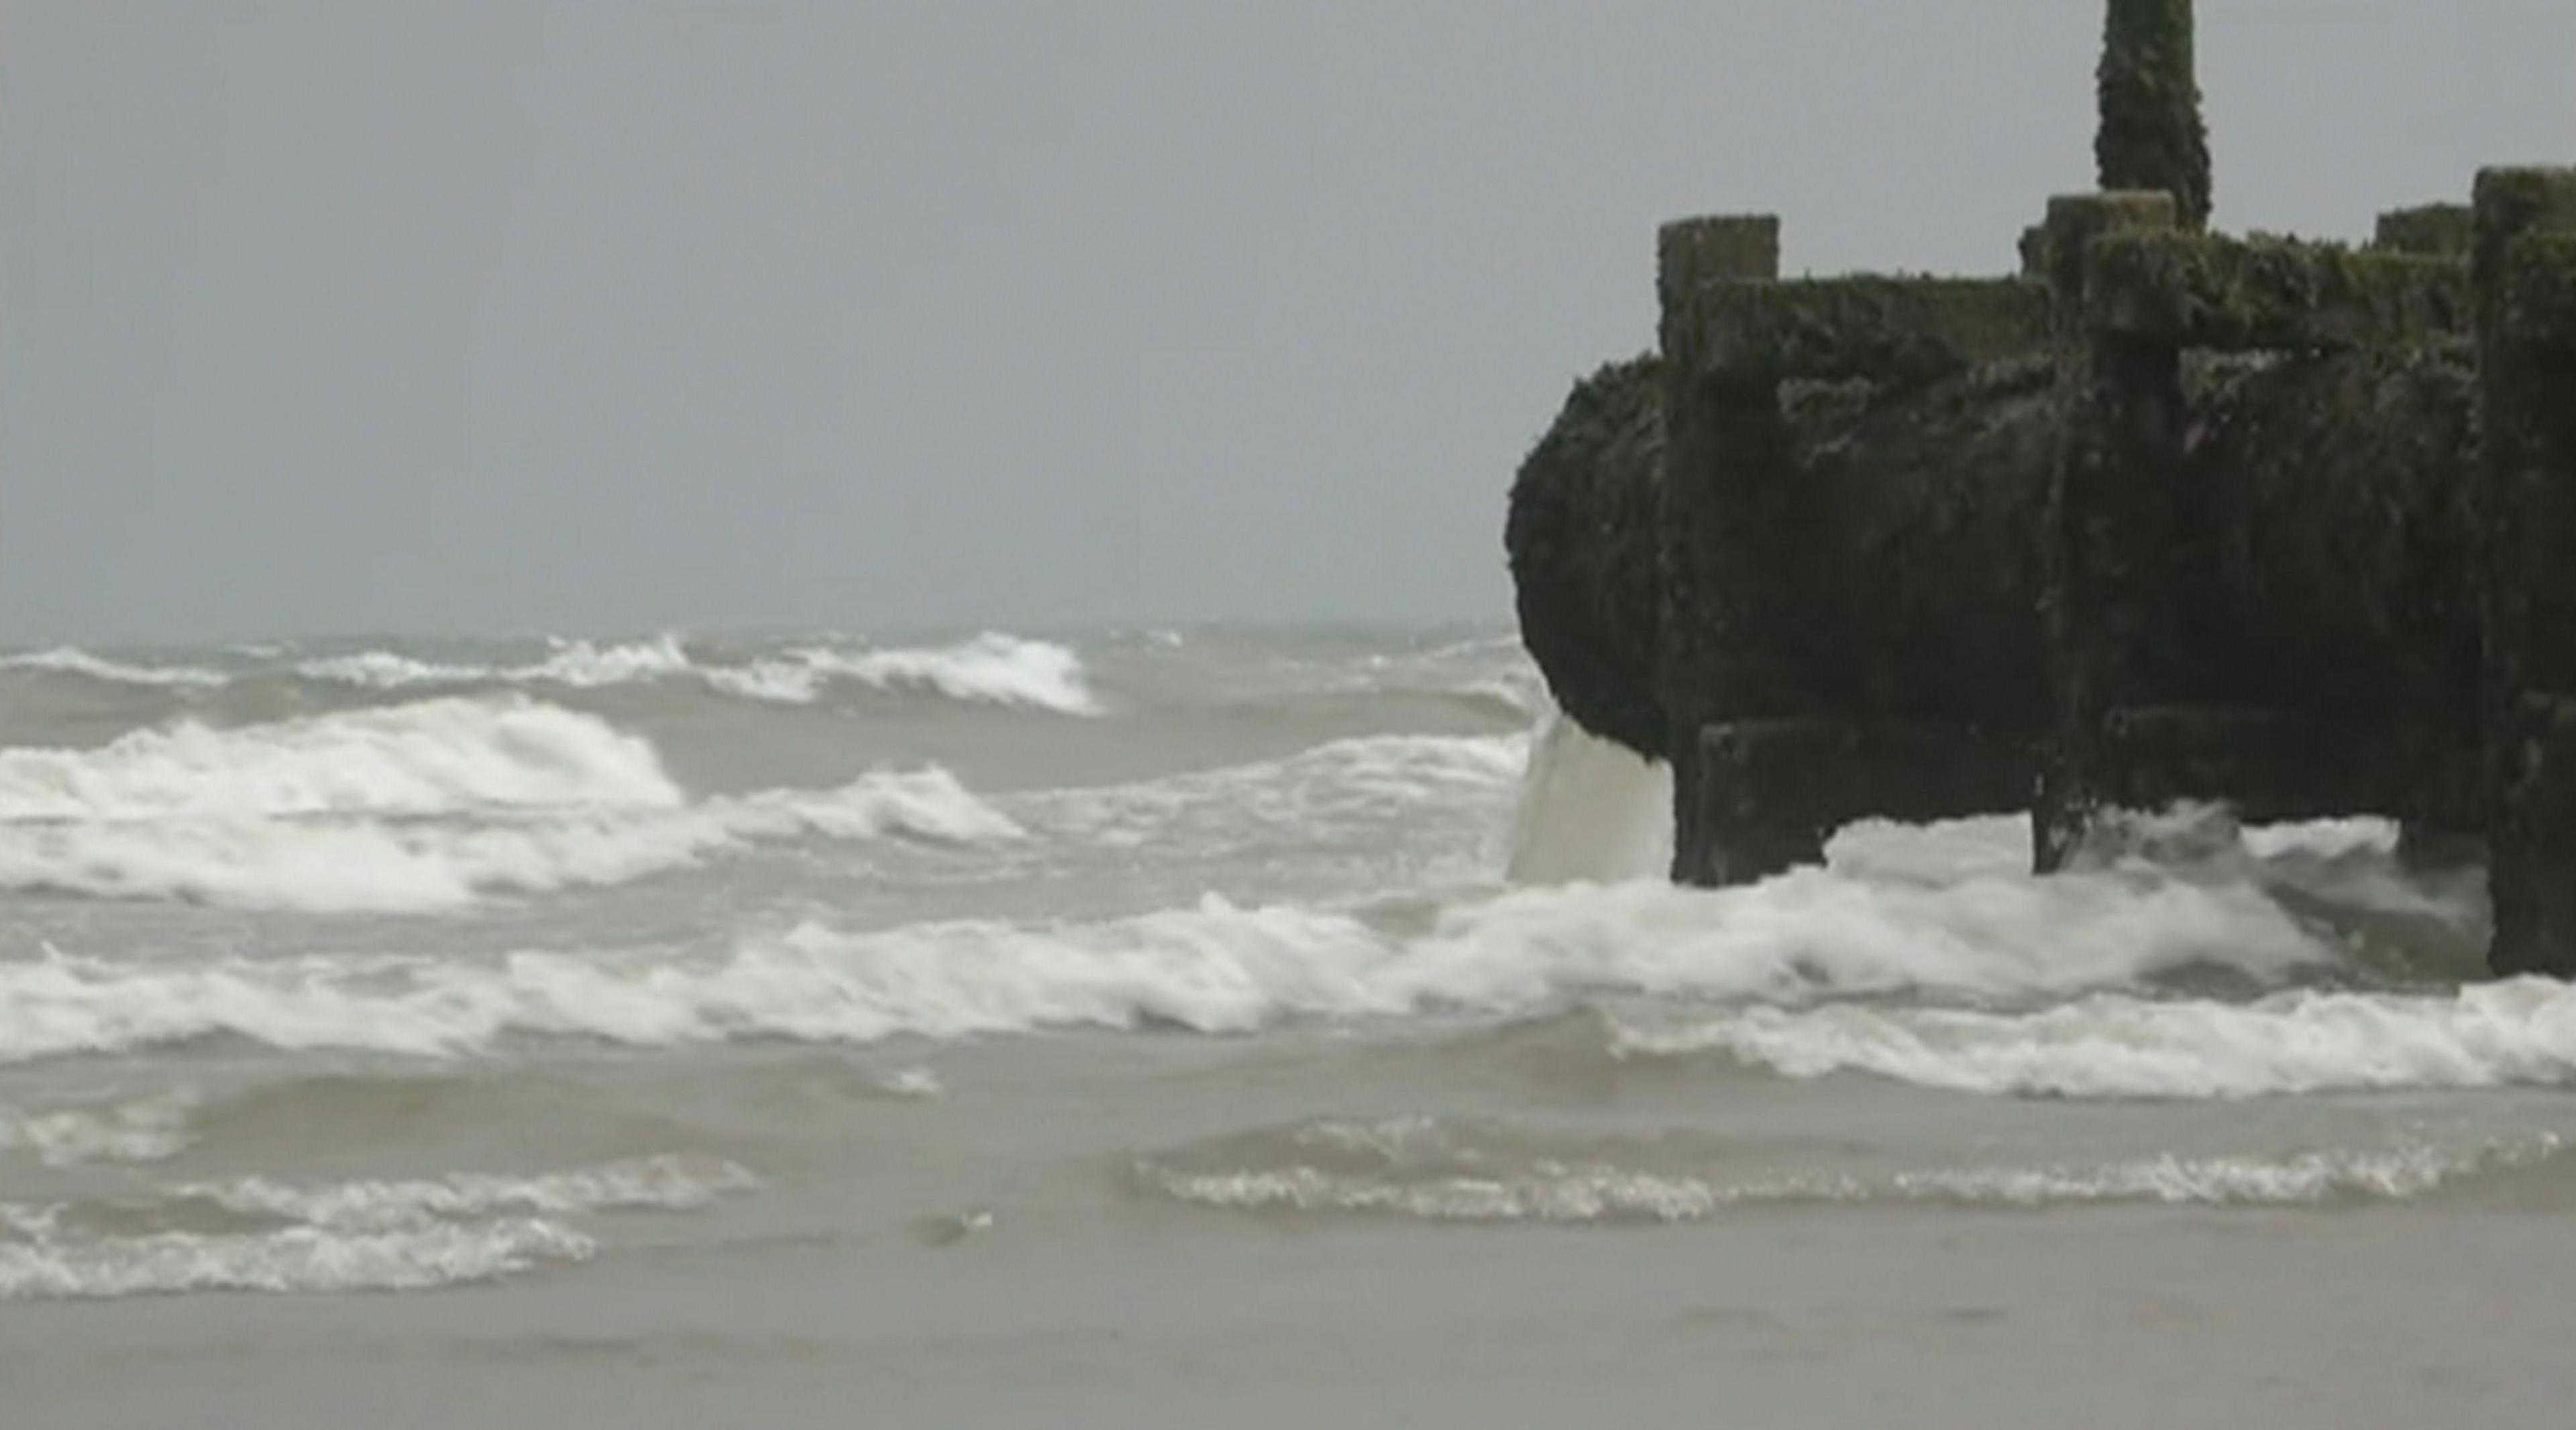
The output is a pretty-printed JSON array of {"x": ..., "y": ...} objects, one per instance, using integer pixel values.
[{"x": 351, "y": 315}]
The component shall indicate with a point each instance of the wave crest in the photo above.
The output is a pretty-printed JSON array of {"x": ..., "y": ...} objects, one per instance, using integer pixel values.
[
  {"x": 433, "y": 757},
  {"x": 72, "y": 660},
  {"x": 256, "y": 1234},
  {"x": 2518, "y": 1033},
  {"x": 1441, "y": 1169},
  {"x": 373, "y": 865}
]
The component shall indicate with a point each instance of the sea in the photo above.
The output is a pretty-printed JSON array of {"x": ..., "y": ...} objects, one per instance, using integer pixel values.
[{"x": 1201, "y": 1026}]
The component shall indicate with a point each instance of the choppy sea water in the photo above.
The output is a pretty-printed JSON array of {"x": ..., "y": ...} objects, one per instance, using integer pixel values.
[{"x": 1190, "y": 1027}]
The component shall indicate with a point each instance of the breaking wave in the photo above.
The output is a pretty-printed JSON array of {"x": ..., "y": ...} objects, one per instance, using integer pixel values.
[
  {"x": 576, "y": 664},
  {"x": 1221, "y": 968},
  {"x": 411, "y": 808},
  {"x": 258, "y": 1234},
  {"x": 1326, "y": 795},
  {"x": 71, "y": 660},
  {"x": 992, "y": 668},
  {"x": 433, "y": 757},
  {"x": 2517, "y": 1033},
  {"x": 1450, "y": 1170},
  {"x": 144, "y": 1129},
  {"x": 396, "y": 866}
]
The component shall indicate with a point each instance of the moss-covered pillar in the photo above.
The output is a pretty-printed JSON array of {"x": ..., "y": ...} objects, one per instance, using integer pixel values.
[
  {"x": 1721, "y": 248},
  {"x": 2151, "y": 136},
  {"x": 1732, "y": 615},
  {"x": 2429, "y": 230},
  {"x": 2111, "y": 529},
  {"x": 2524, "y": 267}
]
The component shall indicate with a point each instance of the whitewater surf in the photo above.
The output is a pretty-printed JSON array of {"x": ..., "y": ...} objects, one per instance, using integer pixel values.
[{"x": 725, "y": 987}]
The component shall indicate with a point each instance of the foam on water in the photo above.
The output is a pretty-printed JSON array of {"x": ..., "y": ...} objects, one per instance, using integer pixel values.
[
  {"x": 294, "y": 1259},
  {"x": 572, "y": 664},
  {"x": 264, "y": 1234},
  {"x": 2516, "y": 1033},
  {"x": 368, "y": 865},
  {"x": 411, "y": 808},
  {"x": 1590, "y": 810},
  {"x": 1332, "y": 794},
  {"x": 433, "y": 757},
  {"x": 664, "y": 1183},
  {"x": 1213, "y": 967},
  {"x": 992, "y": 668},
  {"x": 71, "y": 660},
  {"x": 1441, "y": 1169},
  {"x": 146, "y": 1129}
]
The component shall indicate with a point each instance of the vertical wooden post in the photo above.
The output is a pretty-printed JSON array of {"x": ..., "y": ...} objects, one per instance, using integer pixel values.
[
  {"x": 1731, "y": 542},
  {"x": 2151, "y": 135},
  {"x": 2527, "y": 519},
  {"x": 2111, "y": 526}
]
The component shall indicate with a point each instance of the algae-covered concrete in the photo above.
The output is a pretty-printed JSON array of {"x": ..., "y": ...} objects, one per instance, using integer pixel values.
[
  {"x": 2151, "y": 135},
  {"x": 2170, "y": 515}
]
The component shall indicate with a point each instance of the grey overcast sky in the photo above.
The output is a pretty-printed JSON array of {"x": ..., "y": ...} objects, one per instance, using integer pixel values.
[{"x": 611, "y": 315}]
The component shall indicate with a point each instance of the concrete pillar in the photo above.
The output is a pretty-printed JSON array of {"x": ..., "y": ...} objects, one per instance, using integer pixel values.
[
  {"x": 2524, "y": 271},
  {"x": 1718, "y": 248},
  {"x": 1731, "y": 544},
  {"x": 2429, "y": 230},
  {"x": 2111, "y": 529},
  {"x": 2151, "y": 135}
]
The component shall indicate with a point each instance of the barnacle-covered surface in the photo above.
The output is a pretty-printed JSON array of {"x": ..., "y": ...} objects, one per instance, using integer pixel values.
[
  {"x": 1881, "y": 329},
  {"x": 2151, "y": 135},
  {"x": 2168, "y": 515},
  {"x": 2244, "y": 294},
  {"x": 2433, "y": 230},
  {"x": 1583, "y": 541}
]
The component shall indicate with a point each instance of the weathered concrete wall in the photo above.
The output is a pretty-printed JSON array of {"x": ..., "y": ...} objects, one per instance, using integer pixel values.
[
  {"x": 2431, "y": 230},
  {"x": 2335, "y": 543},
  {"x": 1585, "y": 547},
  {"x": 2167, "y": 516},
  {"x": 2525, "y": 266}
]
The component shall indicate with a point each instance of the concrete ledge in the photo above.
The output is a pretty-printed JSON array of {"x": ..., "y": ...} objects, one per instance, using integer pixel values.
[
  {"x": 2539, "y": 292},
  {"x": 1905, "y": 330},
  {"x": 2429, "y": 230},
  {"x": 1692, "y": 251},
  {"x": 1817, "y": 774},
  {"x": 2511, "y": 202},
  {"x": 2269, "y": 764},
  {"x": 2193, "y": 291}
]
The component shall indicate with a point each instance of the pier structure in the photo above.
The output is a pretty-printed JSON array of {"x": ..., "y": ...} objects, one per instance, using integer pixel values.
[{"x": 2166, "y": 515}]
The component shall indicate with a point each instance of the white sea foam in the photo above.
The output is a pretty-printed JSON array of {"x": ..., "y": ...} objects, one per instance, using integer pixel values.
[
  {"x": 365, "y": 1235},
  {"x": 387, "y": 670},
  {"x": 583, "y": 665},
  {"x": 1596, "y": 1192},
  {"x": 298, "y": 1258},
  {"x": 663, "y": 1183},
  {"x": 71, "y": 660},
  {"x": 1590, "y": 810},
  {"x": 1215, "y": 967},
  {"x": 146, "y": 1129},
  {"x": 2516, "y": 1033},
  {"x": 992, "y": 668},
  {"x": 432, "y": 757},
  {"x": 378, "y": 865},
  {"x": 1324, "y": 796},
  {"x": 575, "y": 664},
  {"x": 410, "y": 808}
]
